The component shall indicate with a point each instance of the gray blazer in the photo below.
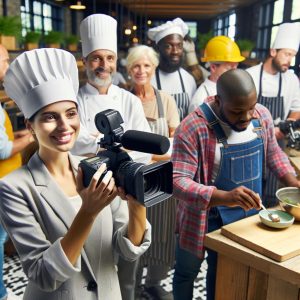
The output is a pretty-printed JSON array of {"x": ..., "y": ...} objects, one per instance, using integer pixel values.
[{"x": 37, "y": 214}]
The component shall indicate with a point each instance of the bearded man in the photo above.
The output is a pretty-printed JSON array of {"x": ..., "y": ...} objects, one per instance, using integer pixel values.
[
  {"x": 170, "y": 76},
  {"x": 278, "y": 89},
  {"x": 98, "y": 34}
]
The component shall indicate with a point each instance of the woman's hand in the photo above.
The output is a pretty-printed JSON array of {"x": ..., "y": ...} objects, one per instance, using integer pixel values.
[
  {"x": 137, "y": 218},
  {"x": 98, "y": 194}
]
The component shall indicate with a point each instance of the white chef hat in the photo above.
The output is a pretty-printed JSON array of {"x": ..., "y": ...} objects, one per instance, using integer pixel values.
[
  {"x": 171, "y": 27},
  {"x": 40, "y": 77},
  {"x": 98, "y": 31},
  {"x": 288, "y": 36}
]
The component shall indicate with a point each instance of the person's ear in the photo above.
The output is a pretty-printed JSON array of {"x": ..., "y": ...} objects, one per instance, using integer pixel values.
[
  {"x": 273, "y": 52},
  {"x": 29, "y": 126},
  {"x": 156, "y": 47},
  {"x": 213, "y": 67},
  {"x": 84, "y": 61}
]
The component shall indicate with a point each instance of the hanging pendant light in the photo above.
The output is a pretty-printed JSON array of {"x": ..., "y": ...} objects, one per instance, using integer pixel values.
[{"x": 78, "y": 6}]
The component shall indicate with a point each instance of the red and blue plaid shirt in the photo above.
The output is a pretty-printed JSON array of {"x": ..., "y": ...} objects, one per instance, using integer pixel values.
[{"x": 193, "y": 157}]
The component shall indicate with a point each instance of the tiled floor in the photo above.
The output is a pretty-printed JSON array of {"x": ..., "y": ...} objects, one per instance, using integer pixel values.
[{"x": 16, "y": 280}]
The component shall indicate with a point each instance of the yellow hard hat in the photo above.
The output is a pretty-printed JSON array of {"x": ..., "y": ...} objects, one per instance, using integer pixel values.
[{"x": 222, "y": 48}]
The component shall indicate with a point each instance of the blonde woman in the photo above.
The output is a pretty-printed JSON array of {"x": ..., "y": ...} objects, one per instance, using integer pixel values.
[{"x": 162, "y": 115}]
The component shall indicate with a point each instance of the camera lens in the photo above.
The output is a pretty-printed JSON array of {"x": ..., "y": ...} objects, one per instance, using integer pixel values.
[{"x": 151, "y": 183}]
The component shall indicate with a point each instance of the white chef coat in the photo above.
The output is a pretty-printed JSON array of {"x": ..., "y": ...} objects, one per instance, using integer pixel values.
[
  {"x": 290, "y": 89},
  {"x": 90, "y": 102},
  {"x": 207, "y": 88},
  {"x": 170, "y": 82}
]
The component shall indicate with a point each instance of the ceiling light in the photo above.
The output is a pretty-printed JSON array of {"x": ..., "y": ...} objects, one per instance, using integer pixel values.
[
  {"x": 127, "y": 31},
  {"x": 78, "y": 6}
]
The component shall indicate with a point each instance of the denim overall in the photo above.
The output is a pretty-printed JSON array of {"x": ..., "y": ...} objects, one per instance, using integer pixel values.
[{"x": 241, "y": 164}]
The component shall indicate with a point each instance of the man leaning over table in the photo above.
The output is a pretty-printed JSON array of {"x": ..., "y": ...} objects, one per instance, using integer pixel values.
[{"x": 219, "y": 156}]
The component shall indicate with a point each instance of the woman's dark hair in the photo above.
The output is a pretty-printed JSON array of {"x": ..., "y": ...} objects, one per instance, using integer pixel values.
[{"x": 31, "y": 148}]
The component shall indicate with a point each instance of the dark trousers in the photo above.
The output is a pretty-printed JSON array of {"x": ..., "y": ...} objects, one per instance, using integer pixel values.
[{"x": 187, "y": 267}]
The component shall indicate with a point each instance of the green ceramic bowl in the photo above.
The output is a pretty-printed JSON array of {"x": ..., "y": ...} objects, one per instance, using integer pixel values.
[{"x": 286, "y": 219}]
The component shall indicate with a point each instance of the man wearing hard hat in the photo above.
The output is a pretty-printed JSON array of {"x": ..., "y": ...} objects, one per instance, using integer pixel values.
[
  {"x": 277, "y": 88},
  {"x": 169, "y": 75},
  {"x": 98, "y": 34},
  {"x": 222, "y": 54}
]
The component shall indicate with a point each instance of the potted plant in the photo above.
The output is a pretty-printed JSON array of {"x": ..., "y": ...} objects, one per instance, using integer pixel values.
[
  {"x": 245, "y": 46},
  {"x": 72, "y": 42},
  {"x": 10, "y": 31},
  {"x": 32, "y": 39},
  {"x": 54, "y": 39}
]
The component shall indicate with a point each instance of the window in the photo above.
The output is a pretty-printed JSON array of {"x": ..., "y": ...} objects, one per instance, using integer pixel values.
[
  {"x": 225, "y": 25},
  {"x": 295, "y": 10},
  {"x": 192, "y": 29},
  {"x": 278, "y": 12},
  {"x": 40, "y": 16},
  {"x": 273, "y": 13}
]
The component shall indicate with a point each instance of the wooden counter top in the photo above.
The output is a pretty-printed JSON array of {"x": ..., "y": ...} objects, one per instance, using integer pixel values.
[
  {"x": 295, "y": 161},
  {"x": 289, "y": 269}
]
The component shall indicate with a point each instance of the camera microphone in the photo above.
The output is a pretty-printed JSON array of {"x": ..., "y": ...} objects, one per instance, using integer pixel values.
[{"x": 145, "y": 142}]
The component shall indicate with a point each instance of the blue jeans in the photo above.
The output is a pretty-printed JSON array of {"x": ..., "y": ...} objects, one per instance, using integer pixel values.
[
  {"x": 3, "y": 236},
  {"x": 187, "y": 267}
]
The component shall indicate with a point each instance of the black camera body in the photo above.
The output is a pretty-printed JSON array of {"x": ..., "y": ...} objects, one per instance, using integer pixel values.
[
  {"x": 149, "y": 184},
  {"x": 289, "y": 128}
]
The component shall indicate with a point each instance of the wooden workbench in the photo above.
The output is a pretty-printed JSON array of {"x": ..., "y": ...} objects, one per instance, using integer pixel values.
[
  {"x": 295, "y": 161},
  {"x": 244, "y": 274}
]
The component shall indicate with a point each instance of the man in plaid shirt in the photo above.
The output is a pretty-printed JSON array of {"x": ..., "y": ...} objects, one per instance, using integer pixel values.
[{"x": 220, "y": 153}]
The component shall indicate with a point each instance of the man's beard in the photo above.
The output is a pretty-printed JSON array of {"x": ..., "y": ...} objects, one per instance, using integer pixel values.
[
  {"x": 94, "y": 79},
  {"x": 277, "y": 66},
  {"x": 232, "y": 126},
  {"x": 171, "y": 66}
]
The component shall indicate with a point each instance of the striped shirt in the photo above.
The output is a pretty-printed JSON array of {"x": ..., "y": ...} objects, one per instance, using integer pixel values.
[{"x": 193, "y": 157}]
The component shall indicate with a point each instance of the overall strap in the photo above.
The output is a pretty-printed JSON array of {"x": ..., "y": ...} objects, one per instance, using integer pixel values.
[
  {"x": 214, "y": 123},
  {"x": 157, "y": 79},
  {"x": 260, "y": 83},
  {"x": 160, "y": 108},
  {"x": 181, "y": 81}
]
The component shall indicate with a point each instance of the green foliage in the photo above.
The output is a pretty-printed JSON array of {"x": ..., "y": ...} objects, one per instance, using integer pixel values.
[
  {"x": 71, "y": 39},
  {"x": 54, "y": 37},
  {"x": 32, "y": 37},
  {"x": 11, "y": 26},
  {"x": 203, "y": 38},
  {"x": 245, "y": 44}
]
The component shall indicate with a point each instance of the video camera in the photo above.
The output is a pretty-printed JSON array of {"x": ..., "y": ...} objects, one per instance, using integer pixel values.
[
  {"x": 149, "y": 184},
  {"x": 289, "y": 128}
]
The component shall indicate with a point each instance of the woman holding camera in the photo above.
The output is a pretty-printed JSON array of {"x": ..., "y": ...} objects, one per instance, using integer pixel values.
[
  {"x": 162, "y": 115},
  {"x": 65, "y": 234}
]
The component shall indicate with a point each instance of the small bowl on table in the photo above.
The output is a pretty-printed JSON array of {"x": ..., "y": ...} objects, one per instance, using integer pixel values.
[
  {"x": 289, "y": 200},
  {"x": 286, "y": 219}
]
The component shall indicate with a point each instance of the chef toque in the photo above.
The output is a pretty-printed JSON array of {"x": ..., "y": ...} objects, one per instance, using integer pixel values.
[
  {"x": 40, "y": 77},
  {"x": 98, "y": 31},
  {"x": 171, "y": 27},
  {"x": 288, "y": 36}
]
